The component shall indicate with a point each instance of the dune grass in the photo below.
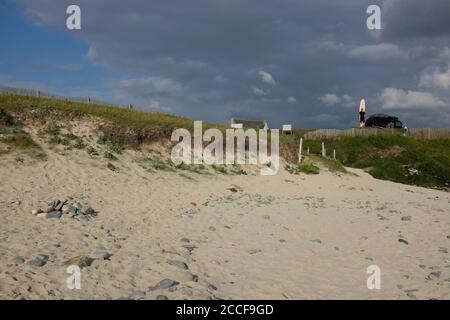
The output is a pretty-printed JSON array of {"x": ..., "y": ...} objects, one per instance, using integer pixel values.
[
  {"x": 394, "y": 158},
  {"x": 158, "y": 123},
  {"x": 305, "y": 167},
  {"x": 13, "y": 138},
  {"x": 391, "y": 157}
]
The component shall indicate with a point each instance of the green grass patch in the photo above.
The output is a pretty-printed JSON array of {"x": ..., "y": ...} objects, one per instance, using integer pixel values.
[
  {"x": 147, "y": 126},
  {"x": 112, "y": 167},
  {"x": 15, "y": 139},
  {"x": 108, "y": 155},
  {"x": 331, "y": 164},
  {"x": 305, "y": 167},
  {"x": 393, "y": 157},
  {"x": 219, "y": 169}
]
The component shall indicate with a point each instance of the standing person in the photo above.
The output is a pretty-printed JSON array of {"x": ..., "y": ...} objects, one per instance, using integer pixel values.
[{"x": 362, "y": 112}]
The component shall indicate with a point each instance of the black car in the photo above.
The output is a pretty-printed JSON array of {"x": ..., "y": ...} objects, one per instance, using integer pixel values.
[{"x": 381, "y": 120}]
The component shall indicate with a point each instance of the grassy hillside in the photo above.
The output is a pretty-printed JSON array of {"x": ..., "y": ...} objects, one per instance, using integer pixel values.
[
  {"x": 396, "y": 158},
  {"x": 13, "y": 138},
  {"x": 130, "y": 126},
  {"x": 123, "y": 117}
]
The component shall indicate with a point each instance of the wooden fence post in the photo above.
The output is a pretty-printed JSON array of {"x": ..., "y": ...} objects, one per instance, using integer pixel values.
[
  {"x": 300, "y": 151},
  {"x": 323, "y": 150}
]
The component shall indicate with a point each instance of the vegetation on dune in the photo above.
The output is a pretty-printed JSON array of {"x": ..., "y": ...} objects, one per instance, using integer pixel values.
[
  {"x": 305, "y": 167},
  {"x": 396, "y": 158},
  {"x": 129, "y": 126},
  {"x": 331, "y": 164},
  {"x": 12, "y": 137}
]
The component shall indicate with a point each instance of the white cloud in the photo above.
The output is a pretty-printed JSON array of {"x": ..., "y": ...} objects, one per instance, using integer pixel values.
[
  {"x": 347, "y": 98},
  {"x": 221, "y": 79},
  {"x": 376, "y": 52},
  {"x": 258, "y": 91},
  {"x": 331, "y": 45},
  {"x": 444, "y": 55},
  {"x": 291, "y": 99},
  {"x": 373, "y": 52},
  {"x": 330, "y": 99},
  {"x": 348, "y": 101},
  {"x": 392, "y": 98},
  {"x": 271, "y": 100},
  {"x": 152, "y": 84},
  {"x": 435, "y": 78},
  {"x": 267, "y": 77},
  {"x": 92, "y": 53}
]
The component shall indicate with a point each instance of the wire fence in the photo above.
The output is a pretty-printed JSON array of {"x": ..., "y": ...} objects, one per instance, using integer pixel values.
[
  {"x": 420, "y": 133},
  {"x": 44, "y": 94}
]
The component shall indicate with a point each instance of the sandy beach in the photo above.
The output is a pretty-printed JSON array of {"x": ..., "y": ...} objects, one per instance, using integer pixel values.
[{"x": 219, "y": 236}]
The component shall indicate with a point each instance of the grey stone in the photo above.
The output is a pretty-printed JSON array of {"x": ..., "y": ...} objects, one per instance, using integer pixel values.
[
  {"x": 86, "y": 210},
  {"x": 137, "y": 295},
  {"x": 65, "y": 209},
  {"x": 59, "y": 206},
  {"x": 53, "y": 203},
  {"x": 178, "y": 264},
  {"x": 185, "y": 276},
  {"x": 164, "y": 284},
  {"x": 443, "y": 249},
  {"x": 82, "y": 217},
  {"x": 189, "y": 247},
  {"x": 72, "y": 209},
  {"x": 433, "y": 275},
  {"x": 212, "y": 287},
  {"x": 100, "y": 253},
  {"x": 18, "y": 259},
  {"x": 161, "y": 297},
  {"x": 39, "y": 261},
  {"x": 403, "y": 241},
  {"x": 173, "y": 289},
  {"x": 54, "y": 215},
  {"x": 77, "y": 205}
]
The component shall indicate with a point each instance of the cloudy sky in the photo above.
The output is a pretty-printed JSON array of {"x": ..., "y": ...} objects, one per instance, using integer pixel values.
[{"x": 305, "y": 62}]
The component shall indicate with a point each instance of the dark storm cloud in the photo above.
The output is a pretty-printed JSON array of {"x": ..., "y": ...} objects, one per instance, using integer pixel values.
[
  {"x": 204, "y": 59},
  {"x": 416, "y": 18}
]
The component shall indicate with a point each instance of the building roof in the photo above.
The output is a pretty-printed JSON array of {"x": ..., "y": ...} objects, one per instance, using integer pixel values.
[{"x": 254, "y": 124}]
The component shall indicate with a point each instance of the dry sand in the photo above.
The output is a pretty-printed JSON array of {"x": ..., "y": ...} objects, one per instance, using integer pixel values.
[{"x": 278, "y": 237}]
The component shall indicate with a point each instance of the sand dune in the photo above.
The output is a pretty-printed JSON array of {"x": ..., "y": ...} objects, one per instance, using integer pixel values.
[{"x": 278, "y": 237}]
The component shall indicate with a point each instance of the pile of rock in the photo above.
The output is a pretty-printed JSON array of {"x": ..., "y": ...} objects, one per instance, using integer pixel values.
[{"x": 72, "y": 208}]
